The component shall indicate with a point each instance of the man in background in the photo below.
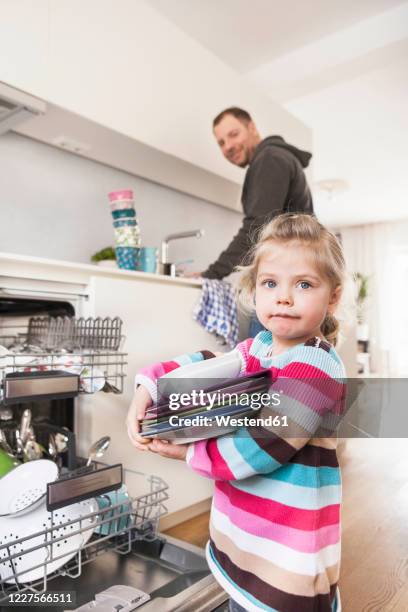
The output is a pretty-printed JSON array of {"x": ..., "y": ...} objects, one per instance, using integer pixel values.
[{"x": 274, "y": 181}]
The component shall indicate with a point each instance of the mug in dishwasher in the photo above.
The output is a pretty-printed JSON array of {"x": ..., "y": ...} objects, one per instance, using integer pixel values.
[{"x": 116, "y": 523}]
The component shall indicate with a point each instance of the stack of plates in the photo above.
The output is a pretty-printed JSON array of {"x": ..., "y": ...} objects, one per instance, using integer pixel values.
[
  {"x": 127, "y": 234},
  {"x": 199, "y": 414}
]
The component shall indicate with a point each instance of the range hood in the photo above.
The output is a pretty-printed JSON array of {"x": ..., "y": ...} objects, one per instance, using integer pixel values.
[{"x": 16, "y": 106}]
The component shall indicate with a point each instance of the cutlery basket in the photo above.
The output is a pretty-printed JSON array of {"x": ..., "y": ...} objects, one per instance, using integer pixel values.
[{"x": 72, "y": 332}]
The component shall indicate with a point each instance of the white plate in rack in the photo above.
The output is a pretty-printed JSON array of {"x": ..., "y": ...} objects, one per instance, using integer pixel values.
[
  {"x": 30, "y": 525},
  {"x": 24, "y": 488}
]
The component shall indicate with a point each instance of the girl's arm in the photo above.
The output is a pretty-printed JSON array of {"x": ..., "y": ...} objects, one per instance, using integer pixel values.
[
  {"x": 312, "y": 396},
  {"x": 148, "y": 376}
]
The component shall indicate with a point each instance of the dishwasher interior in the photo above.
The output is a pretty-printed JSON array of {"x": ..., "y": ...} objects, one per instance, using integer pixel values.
[
  {"x": 120, "y": 545},
  {"x": 96, "y": 526}
]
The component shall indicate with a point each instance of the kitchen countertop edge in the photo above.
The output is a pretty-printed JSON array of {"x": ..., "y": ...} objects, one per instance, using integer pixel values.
[{"x": 95, "y": 270}]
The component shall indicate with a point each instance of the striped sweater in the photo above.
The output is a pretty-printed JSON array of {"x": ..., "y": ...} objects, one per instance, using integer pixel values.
[{"x": 275, "y": 516}]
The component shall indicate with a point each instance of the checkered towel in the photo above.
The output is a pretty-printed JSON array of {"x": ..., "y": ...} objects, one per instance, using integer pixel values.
[{"x": 217, "y": 310}]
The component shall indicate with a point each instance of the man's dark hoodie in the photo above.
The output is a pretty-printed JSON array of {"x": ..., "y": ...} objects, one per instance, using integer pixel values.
[{"x": 274, "y": 183}]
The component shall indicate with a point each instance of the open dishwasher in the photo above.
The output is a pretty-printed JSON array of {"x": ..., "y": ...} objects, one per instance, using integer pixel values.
[
  {"x": 107, "y": 554},
  {"x": 91, "y": 541}
]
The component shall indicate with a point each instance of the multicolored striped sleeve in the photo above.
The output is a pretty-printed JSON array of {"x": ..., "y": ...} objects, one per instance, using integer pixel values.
[
  {"x": 311, "y": 398},
  {"x": 148, "y": 376}
]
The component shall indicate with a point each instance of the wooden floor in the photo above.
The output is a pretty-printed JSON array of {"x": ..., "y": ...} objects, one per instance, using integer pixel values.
[{"x": 374, "y": 574}]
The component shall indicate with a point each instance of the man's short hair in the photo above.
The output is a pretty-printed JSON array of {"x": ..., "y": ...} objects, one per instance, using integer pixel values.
[{"x": 239, "y": 113}]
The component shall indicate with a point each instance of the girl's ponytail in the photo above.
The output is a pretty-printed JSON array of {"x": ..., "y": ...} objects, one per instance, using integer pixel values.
[{"x": 330, "y": 328}]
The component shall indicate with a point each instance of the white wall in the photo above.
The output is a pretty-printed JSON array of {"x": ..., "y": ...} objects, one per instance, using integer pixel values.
[
  {"x": 359, "y": 128},
  {"x": 54, "y": 204}
]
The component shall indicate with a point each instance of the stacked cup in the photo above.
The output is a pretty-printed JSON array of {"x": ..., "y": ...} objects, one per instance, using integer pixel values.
[{"x": 127, "y": 234}]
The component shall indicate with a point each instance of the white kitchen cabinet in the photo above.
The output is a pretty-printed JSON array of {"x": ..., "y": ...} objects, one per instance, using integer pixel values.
[
  {"x": 126, "y": 67},
  {"x": 24, "y": 29}
]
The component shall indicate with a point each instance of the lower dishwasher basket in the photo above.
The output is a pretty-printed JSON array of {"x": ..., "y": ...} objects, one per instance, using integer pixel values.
[{"x": 173, "y": 573}]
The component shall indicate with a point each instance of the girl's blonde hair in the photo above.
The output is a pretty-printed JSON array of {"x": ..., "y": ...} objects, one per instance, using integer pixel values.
[{"x": 304, "y": 230}]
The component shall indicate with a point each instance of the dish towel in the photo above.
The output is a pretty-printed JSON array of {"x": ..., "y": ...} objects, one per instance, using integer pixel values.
[{"x": 216, "y": 310}]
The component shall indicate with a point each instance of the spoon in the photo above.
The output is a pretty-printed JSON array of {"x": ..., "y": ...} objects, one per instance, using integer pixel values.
[
  {"x": 98, "y": 448},
  {"x": 32, "y": 450},
  {"x": 25, "y": 425},
  {"x": 19, "y": 444},
  {"x": 61, "y": 447},
  {"x": 61, "y": 442},
  {"x": 5, "y": 445},
  {"x": 52, "y": 447}
]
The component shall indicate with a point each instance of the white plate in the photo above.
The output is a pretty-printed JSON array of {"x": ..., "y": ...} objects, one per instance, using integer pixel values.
[
  {"x": 3, "y": 351},
  {"x": 31, "y": 524},
  {"x": 183, "y": 379},
  {"x": 25, "y": 486},
  {"x": 92, "y": 379}
]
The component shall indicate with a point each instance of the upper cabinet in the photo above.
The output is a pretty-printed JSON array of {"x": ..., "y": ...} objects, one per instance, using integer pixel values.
[
  {"x": 24, "y": 48},
  {"x": 124, "y": 66}
]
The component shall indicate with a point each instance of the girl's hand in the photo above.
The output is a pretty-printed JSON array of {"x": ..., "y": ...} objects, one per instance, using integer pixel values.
[
  {"x": 137, "y": 410},
  {"x": 168, "y": 449}
]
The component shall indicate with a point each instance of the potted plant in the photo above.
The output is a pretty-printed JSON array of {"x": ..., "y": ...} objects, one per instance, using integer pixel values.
[
  {"x": 362, "y": 282},
  {"x": 105, "y": 257}
]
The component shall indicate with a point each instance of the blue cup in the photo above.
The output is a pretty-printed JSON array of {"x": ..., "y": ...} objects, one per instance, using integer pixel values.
[
  {"x": 127, "y": 257},
  {"x": 125, "y": 223},
  {"x": 124, "y": 213},
  {"x": 109, "y": 513},
  {"x": 148, "y": 260}
]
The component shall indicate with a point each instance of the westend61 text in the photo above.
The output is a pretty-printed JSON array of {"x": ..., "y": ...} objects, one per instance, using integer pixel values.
[
  {"x": 216, "y": 399},
  {"x": 229, "y": 421}
]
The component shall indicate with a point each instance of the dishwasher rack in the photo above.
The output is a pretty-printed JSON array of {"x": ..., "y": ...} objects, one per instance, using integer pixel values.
[
  {"x": 97, "y": 370},
  {"x": 126, "y": 521},
  {"x": 83, "y": 333},
  {"x": 89, "y": 347},
  {"x": 64, "y": 332}
]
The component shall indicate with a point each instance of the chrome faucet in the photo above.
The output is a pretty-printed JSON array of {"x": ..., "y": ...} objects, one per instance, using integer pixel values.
[{"x": 165, "y": 267}]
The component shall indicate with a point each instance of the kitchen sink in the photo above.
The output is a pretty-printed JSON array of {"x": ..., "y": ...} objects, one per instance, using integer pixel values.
[{"x": 174, "y": 573}]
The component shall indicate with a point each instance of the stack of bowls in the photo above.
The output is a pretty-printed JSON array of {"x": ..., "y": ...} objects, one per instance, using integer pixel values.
[{"x": 127, "y": 234}]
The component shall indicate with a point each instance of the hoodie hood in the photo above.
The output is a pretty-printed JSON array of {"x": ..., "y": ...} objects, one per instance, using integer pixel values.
[{"x": 277, "y": 141}]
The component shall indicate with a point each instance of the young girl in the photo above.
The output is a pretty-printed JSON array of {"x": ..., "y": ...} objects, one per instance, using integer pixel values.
[{"x": 275, "y": 517}]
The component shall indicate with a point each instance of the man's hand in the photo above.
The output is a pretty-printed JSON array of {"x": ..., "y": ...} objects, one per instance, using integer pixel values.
[
  {"x": 137, "y": 410},
  {"x": 168, "y": 449},
  {"x": 192, "y": 275}
]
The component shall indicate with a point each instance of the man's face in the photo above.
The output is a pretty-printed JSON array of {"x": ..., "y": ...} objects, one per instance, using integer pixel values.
[{"x": 237, "y": 140}]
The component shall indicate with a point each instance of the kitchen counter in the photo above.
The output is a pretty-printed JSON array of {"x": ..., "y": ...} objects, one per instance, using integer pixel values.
[{"x": 51, "y": 269}]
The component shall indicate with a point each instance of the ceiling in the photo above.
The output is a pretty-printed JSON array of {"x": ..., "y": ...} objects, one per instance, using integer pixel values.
[
  {"x": 341, "y": 68},
  {"x": 246, "y": 34},
  {"x": 360, "y": 136}
]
